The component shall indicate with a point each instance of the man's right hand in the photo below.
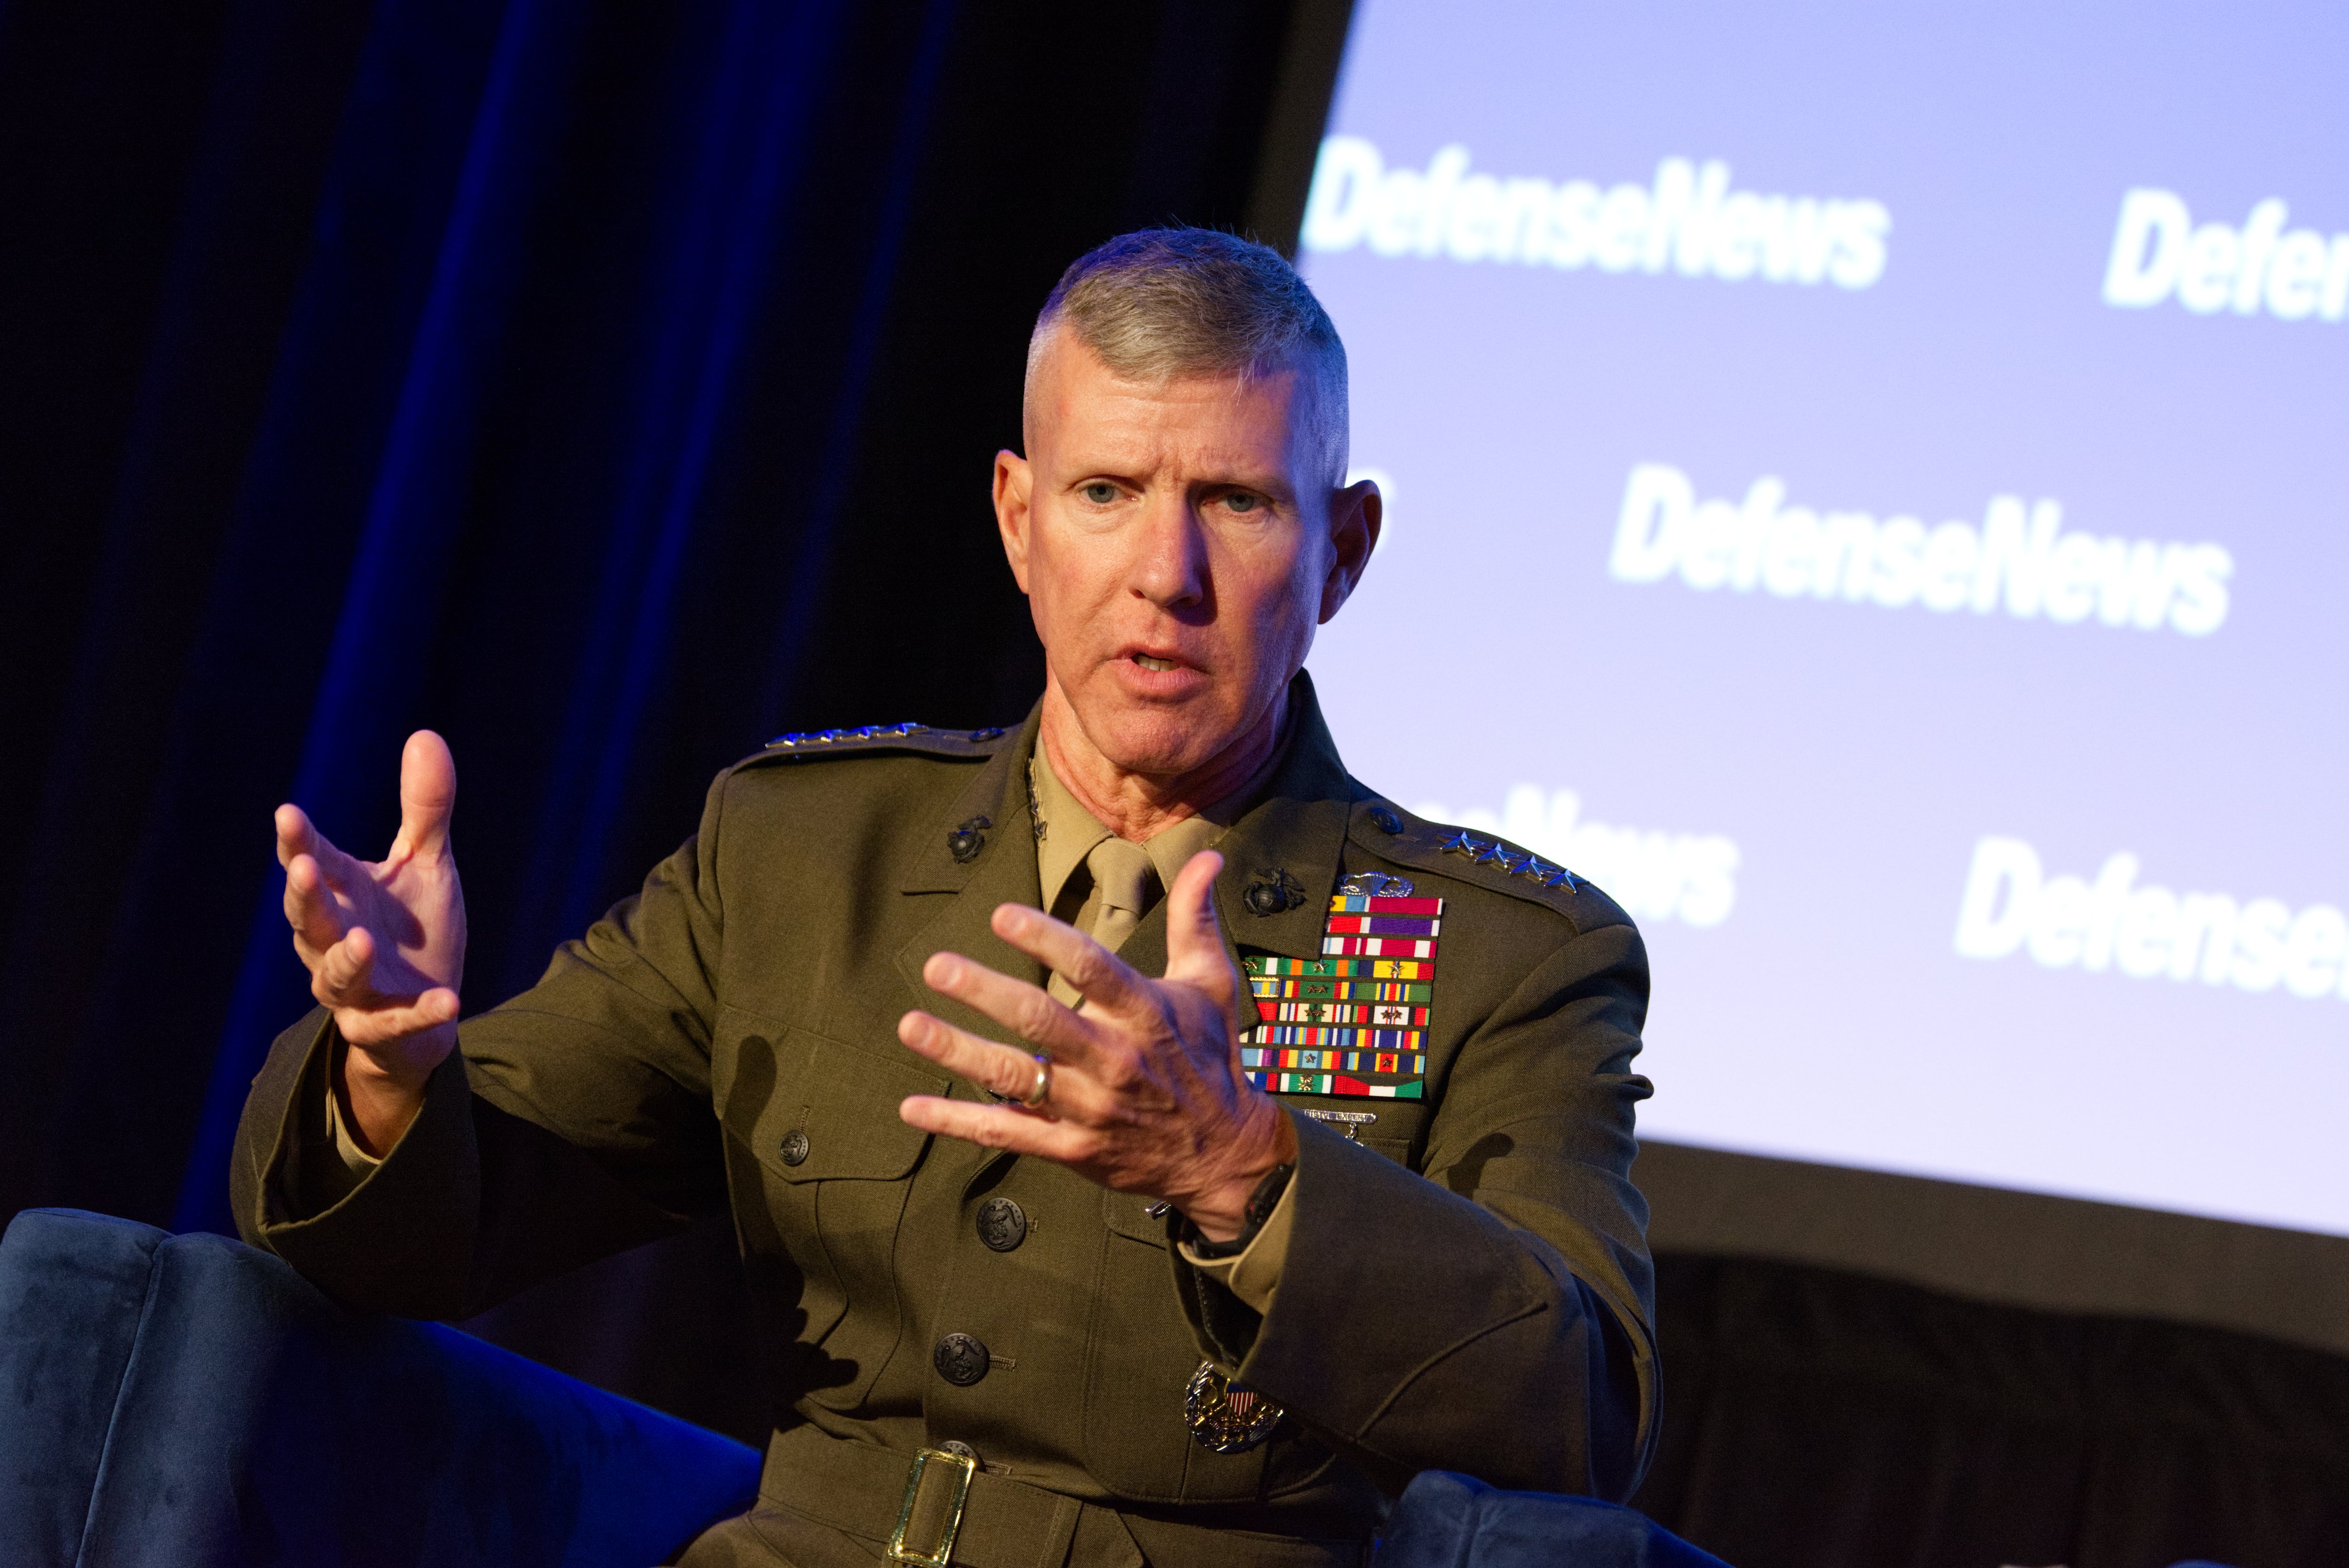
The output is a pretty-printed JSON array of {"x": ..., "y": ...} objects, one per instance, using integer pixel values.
[{"x": 385, "y": 943}]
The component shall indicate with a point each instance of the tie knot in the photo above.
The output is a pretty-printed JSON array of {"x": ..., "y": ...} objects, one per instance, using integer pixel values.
[{"x": 1122, "y": 871}]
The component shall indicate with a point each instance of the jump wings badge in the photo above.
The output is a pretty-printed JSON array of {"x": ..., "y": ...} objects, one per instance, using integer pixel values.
[{"x": 1227, "y": 1417}]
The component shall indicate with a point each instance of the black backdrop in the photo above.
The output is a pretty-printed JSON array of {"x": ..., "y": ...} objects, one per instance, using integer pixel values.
[
  {"x": 612, "y": 386},
  {"x": 607, "y": 386}
]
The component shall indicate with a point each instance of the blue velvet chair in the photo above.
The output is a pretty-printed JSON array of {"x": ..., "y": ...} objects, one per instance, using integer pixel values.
[
  {"x": 188, "y": 1402},
  {"x": 1448, "y": 1520}
]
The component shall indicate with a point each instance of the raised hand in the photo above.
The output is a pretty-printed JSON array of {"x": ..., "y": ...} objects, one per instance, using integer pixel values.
[
  {"x": 384, "y": 941},
  {"x": 1146, "y": 1092}
]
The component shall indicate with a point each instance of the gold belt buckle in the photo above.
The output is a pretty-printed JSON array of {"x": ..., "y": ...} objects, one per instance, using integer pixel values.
[{"x": 962, "y": 1465}]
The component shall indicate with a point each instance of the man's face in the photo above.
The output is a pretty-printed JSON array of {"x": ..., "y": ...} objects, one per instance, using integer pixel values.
[{"x": 1178, "y": 543}]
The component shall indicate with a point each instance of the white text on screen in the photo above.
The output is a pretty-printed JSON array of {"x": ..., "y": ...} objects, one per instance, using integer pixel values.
[
  {"x": 2019, "y": 560},
  {"x": 2159, "y": 254},
  {"x": 2144, "y": 931},
  {"x": 1687, "y": 220},
  {"x": 1654, "y": 875}
]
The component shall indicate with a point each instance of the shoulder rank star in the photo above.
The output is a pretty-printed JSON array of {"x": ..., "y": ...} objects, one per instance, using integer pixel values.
[
  {"x": 834, "y": 737},
  {"x": 1515, "y": 863}
]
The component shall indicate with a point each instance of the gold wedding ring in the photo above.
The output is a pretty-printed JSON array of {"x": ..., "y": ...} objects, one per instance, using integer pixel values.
[{"x": 1042, "y": 1090}]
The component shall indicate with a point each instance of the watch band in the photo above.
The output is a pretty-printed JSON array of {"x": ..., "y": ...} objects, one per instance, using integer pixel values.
[{"x": 1254, "y": 1214}]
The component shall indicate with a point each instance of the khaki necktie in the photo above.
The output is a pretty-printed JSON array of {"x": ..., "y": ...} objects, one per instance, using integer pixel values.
[
  {"x": 1125, "y": 885},
  {"x": 1128, "y": 886}
]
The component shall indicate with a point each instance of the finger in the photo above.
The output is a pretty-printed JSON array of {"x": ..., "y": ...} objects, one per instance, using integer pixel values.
[
  {"x": 345, "y": 975},
  {"x": 999, "y": 1069},
  {"x": 317, "y": 924},
  {"x": 998, "y": 1127},
  {"x": 1195, "y": 935},
  {"x": 1027, "y": 1011},
  {"x": 298, "y": 835},
  {"x": 380, "y": 1026},
  {"x": 427, "y": 795},
  {"x": 295, "y": 833},
  {"x": 1100, "y": 977}
]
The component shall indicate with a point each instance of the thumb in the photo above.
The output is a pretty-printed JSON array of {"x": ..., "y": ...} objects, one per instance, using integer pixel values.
[
  {"x": 1195, "y": 934},
  {"x": 428, "y": 793}
]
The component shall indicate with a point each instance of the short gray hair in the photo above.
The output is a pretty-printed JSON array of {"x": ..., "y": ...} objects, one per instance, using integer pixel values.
[{"x": 1158, "y": 305}]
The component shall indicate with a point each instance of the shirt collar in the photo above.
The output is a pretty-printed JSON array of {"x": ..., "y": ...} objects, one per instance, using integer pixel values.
[{"x": 1066, "y": 831}]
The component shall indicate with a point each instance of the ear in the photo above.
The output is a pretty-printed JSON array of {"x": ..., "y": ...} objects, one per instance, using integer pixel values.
[
  {"x": 1013, "y": 478},
  {"x": 1355, "y": 514}
]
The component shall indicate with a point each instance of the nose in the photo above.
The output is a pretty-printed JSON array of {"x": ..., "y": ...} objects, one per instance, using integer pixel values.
[{"x": 1170, "y": 567}]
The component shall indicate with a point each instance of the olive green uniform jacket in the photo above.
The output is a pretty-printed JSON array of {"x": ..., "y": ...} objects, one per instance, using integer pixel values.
[{"x": 1466, "y": 1287}]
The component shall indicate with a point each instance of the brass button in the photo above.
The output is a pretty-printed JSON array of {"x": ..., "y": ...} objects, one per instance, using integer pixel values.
[
  {"x": 1002, "y": 1225},
  {"x": 960, "y": 1359},
  {"x": 795, "y": 1147}
]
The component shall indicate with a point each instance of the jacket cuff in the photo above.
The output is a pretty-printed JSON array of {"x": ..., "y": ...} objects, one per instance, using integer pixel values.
[
  {"x": 400, "y": 1241},
  {"x": 1253, "y": 1273},
  {"x": 1361, "y": 1222}
]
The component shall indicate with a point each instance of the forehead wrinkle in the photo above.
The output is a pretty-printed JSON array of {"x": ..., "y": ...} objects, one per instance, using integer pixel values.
[
  {"x": 1185, "y": 424},
  {"x": 1316, "y": 407}
]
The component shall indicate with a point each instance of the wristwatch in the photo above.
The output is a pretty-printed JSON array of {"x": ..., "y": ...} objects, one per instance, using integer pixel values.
[{"x": 1254, "y": 1214}]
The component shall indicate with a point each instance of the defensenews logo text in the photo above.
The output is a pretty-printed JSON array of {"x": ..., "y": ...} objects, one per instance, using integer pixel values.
[
  {"x": 1690, "y": 220},
  {"x": 2159, "y": 254}
]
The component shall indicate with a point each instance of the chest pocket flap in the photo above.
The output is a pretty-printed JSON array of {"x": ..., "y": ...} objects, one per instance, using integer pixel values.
[{"x": 832, "y": 1113}]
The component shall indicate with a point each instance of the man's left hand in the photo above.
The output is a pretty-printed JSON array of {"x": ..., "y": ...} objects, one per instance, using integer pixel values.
[{"x": 1146, "y": 1091}]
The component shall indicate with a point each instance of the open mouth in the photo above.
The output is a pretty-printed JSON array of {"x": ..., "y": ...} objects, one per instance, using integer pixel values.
[{"x": 1148, "y": 663}]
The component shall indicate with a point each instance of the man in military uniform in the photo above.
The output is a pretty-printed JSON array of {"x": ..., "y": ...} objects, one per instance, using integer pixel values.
[{"x": 1146, "y": 1143}]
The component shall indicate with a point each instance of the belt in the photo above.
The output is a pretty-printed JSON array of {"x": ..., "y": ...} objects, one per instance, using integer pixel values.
[
  {"x": 942, "y": 1508},
  {"x": 937, "y": 1508}
]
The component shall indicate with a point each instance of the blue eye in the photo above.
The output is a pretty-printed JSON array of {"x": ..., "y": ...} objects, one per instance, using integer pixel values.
[
  {"x": 1240, "y": 500},
  {"x": 1100, "y": 492}
]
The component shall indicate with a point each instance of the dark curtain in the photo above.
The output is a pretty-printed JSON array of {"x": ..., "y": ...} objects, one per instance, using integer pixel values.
[
  {"x": 1815, "y": 1419},
  {"x": 607, "y": 386}
]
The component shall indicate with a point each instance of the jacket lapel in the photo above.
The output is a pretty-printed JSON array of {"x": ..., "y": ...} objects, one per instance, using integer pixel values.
[{"x": 1003, "y": 871}]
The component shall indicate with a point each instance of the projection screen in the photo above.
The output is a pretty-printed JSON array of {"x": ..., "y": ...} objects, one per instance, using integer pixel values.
[{"x": 1870, "y": 487}]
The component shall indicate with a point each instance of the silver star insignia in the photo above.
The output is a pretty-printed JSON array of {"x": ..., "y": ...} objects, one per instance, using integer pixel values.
[
  {"x": 1565, "y": 879},
  {"x": 1462, "y": 842}
]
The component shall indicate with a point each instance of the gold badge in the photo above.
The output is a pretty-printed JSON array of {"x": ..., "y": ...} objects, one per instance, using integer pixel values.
[{"x": 1225, "y": 1417}]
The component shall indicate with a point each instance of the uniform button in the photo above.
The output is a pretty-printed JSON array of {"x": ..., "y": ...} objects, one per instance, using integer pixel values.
[
  {"x": 1002, "y": 1223},
  {"x": 960, "y": 1450},
  {"x": 960, "y": 1359},
  {"x": 795, "y": 1147},
  {"x": 1386, "y": 819}
]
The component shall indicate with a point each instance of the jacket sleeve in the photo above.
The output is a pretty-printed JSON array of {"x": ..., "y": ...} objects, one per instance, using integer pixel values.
[
  {"x": 572, "y": 1122},
  {"x": 1494, "y": 1316}
]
